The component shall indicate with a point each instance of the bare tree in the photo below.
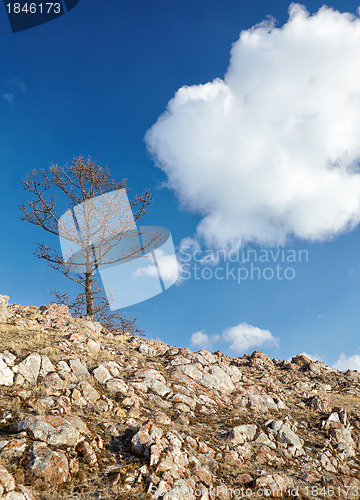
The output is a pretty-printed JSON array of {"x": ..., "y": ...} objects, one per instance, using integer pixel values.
[{"x": 98, "y": 226}]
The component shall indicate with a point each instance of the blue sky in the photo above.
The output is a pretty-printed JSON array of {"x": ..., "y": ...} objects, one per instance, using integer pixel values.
[{"x": 93, "y": 82}]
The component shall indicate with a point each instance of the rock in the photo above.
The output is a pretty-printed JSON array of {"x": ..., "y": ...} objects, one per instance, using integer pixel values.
[
  {"x": 316, "y": 368},
  {"x": 13, "y": 449},
  {"x": 147, "y": 435},
  {"x": 261, "y": 361},
  {"x": 156, "y": 382},
  {"x": 30, "y": 368},
  {"x": 284, "y": 434},
  {"x": 6, "y": 480},
  {"x": 54, "y": 382},
  {"x": 13, "y": 495},
  {"x": 46, "y": 366},
  {"x": 58, "y": 314},
  {"x": 6, "y": 375},
  {"x": 208, "y": 416},
  {"x": 114, "y": 368},
  {"x": 93, "y": 346},
  {"x": 8, "y": 357},
  {"x": 78, "y": 368},
  {"x": 332, "y": 422},
  {"x": 87, "y": 452},
  {"x": 191, "y": 371},
  {"x": 101, "y": 374},
  {"x": 4, "y": 308},
  {"x": 90, "y": 394},
  {"x": 344, "y": 441},
  {"x": 26, "y": 492},
  {"x": 146, "y": 349},
  {"x": 45, "y": 467},
  {"x": 261, "y": 402},
  {"x": 94, "y": 326},
  {"x": 242, "y": 433},
  {"x": 320, "y": 403},
  {"x": 216, "y": 378},
  {"x": 116, "y": 387},
  {"x": 63, "y": 366},
  {"x": 55, "y": 431},
  {"x": 264, "y": 439},
  {"x": 301, "y": 360}
]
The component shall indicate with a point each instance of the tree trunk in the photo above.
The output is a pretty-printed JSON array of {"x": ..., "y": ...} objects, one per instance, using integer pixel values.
[{"x": 90, "y": 310}]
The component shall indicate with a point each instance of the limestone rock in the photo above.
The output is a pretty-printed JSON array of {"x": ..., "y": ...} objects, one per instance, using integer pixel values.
[
  {"x": 242, "y": 433},
  {"x": 30, "y": 368},
  {"x": 4, "y": 308},
  {"x": 55, "y": 431}
]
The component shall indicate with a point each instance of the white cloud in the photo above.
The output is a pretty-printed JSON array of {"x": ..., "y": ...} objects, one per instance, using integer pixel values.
[
  {"x": 347, "y": 362},
  {"x": 240, "y": 338},
  {"x": 202, "y": 340},
  {"x": 244, "y": 336},
  {"x": 272, "y": 149},
  {"x": 167, "y": 264}
]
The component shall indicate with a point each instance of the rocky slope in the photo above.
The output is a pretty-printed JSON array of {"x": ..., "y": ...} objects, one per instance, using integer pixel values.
[{"x": 88, "y": 414}]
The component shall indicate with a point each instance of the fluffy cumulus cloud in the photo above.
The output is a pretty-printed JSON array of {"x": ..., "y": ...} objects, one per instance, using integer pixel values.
[
  {"x": 273, "y": 149},
  {"x": 239, "y": 338},
  {"x": 244, "y": 336},
  {"x": 348, "y": 362},
  {"x": 202, "y": 340},
  {"x": 167, "y": 266}
]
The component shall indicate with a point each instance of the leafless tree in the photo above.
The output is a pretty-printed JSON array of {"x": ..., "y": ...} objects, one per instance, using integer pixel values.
[{"x": 92, "y": 226}]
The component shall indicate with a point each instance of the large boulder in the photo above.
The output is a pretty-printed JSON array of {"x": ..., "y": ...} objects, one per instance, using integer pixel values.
[{"x": 53, "y": 430}]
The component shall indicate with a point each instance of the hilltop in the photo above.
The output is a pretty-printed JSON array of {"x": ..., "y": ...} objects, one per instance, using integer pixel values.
[{"x": 86, "y": 413}]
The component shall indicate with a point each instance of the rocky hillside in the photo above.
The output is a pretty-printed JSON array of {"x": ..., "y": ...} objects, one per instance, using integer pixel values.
[{"x": 86, "y": 414}]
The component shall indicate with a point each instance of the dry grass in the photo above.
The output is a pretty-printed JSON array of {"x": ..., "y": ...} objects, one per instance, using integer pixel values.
[{"x": 22, "y": 341}]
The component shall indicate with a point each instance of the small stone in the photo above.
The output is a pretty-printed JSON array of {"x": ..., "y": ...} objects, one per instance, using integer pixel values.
[
  {"x": 6, "y": 479},
  {"x": 116, "y": 387},
  {"x": 6, "y": 375},
  {"x": 242, "y": 433},
  {"x": 8, "y": 357},
  {"x": 87, "y": 452},
  {"x": 78, "y": 368},
  {"x": 101, "y": 374},
  {"x": 147, "y": 435},
  {"x": 46, "y": 366},
  {"x": 90, "y": 394},
  {"x": 93, "y": 346}
]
